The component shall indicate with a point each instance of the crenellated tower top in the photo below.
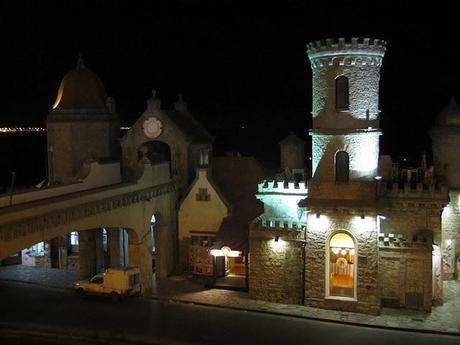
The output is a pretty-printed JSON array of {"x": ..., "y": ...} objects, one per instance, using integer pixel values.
[{"x": 356, "y": 51}]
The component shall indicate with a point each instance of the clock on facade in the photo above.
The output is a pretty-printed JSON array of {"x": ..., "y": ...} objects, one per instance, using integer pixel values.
[{"x": 152, "y": 127}]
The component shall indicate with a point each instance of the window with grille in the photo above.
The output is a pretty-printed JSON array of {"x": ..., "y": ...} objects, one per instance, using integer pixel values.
[{"x": 203, "y": 195}]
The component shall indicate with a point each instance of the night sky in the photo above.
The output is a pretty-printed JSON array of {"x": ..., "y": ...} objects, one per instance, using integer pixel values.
[{"x": 237, "y": 64}]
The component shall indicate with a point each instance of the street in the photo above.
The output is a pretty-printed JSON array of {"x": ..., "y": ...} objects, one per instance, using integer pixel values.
[{"x": 26, "y": 307}]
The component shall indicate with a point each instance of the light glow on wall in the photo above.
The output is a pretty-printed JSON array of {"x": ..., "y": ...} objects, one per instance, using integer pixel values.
[
  {"x": 277, "y": 244},
  {"x": 365, "y": 160},
  {"x": 217, "y": 252},
  {"x": 447, "y": 211},
  {"x": 59, "y": 96},
  {"x": 340, "y": 241},
  {"x": 363, "y": 224},
  {"x": 225, "y": 251},
  {"x": 320, "y": 224}
]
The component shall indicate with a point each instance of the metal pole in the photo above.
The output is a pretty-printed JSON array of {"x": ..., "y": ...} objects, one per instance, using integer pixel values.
[
  {"x": 304, "y": 262},
  {"x": 13, "y": 178},
  {"x": 246, "y": 269},
  {"x": 214, "y": 268}
]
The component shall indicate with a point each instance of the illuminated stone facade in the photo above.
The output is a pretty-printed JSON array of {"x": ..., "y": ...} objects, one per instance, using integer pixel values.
[
  {"x": 348, "y": 239},
  {"x": 446, "y": 140}
]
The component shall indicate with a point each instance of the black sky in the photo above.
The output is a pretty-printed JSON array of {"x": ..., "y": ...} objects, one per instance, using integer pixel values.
[{"x": 237, "y": 64}]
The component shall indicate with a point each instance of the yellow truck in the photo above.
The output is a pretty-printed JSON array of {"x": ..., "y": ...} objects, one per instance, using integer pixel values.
[{"x": 116, "y": 282}]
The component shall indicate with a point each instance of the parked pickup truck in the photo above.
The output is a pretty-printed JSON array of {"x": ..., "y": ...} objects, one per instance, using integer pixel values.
[{"x": 116, "y": 282}]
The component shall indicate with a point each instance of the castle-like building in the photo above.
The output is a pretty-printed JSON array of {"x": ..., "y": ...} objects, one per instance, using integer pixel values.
[{"x": 359, "y": 234}]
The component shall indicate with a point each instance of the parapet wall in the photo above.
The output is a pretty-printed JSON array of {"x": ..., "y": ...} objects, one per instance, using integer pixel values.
[
  {"x": 283, "y": 187},
  {"x": 357, "y": 51},
  {"x": 418, "y": 190}
]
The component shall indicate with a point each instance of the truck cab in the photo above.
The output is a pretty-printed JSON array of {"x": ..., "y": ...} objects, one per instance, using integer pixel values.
[{"x": 116, "y": 282}]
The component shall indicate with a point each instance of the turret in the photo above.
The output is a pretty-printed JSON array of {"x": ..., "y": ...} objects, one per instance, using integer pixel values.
[{"x": 345, "y": 134}]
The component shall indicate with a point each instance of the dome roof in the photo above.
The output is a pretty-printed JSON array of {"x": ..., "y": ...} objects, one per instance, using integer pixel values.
[
  {"x": 449, "y": 116},
  {"x": 80, "y": 88}
]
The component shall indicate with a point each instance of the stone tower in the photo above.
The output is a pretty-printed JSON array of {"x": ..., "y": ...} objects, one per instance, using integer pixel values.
[
  {"x": 445, "y": 138},
  {"x": 292, "y": 152},
  {"x": 342, "y": 204},
  {"x": 81, "y": 126},
  {"x": 345, "y": 133}
]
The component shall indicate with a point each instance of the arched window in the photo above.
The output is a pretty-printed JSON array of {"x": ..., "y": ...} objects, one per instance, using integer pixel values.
[
  {"x": 341, "y": 166},
  {"x": 341, "y": 265},
  {"x": 341, "y": 92}
]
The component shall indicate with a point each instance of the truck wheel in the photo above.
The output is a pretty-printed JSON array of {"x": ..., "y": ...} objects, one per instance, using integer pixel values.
[
  {"x": 81, "y": 292},
  {"x": 115, "y": 297}
]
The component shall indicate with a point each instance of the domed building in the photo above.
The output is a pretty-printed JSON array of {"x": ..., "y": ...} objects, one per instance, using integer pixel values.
[
  {"x": 445, "y": 143},
  {"x": 82, "y": 125}
]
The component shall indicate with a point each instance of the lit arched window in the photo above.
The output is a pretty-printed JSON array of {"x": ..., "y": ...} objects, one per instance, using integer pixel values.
[
  {"x": 342, "y": 265},
  {"x": 341, "y": 92},
  {"x": 341, "y": 166}
]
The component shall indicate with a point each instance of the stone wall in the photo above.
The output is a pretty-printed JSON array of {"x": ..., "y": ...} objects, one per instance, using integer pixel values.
[
  {"x": 445, "y": 143},
  {"x": 406, "y": 237},
  {"x": 362, "y": 148},
  {"x": 90, "y": 140},
  {"x": 405, "y": 277},
  {"x": 364, "y": 94},
  {"x": 364, "y": 232},
  {"x": 360, "y": 63},
  {"x": 275, "y": 267},
  {"x": 451, "y": 235},
  {"x": 352, "y": 190}
]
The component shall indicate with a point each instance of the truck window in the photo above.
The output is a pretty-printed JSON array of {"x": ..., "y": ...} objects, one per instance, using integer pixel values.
[{"x": 97, "y": 280}]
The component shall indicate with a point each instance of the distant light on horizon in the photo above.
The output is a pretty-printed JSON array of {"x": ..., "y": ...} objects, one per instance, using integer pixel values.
[
  {"x": 21, "y": 129},
  {"x": 27, "y": 129}
]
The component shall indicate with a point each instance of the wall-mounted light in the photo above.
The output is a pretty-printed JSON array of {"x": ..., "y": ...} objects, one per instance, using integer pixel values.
[{"x": 378, "y": 178}]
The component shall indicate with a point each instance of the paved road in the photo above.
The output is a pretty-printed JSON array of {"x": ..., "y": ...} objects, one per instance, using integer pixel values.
[{"x": 32, "y": 310}]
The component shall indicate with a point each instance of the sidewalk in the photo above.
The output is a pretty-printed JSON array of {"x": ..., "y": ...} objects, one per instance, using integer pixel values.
[
  {"x": 443, "y": 319},
  {"x": 185, "y": 289}
]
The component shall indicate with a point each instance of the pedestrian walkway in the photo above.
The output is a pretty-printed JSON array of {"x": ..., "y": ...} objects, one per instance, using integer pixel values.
[
  {"x": 445, "y": 318},
  {"x": 51, "y": 277},
  {"x": 186, "y": 289}
]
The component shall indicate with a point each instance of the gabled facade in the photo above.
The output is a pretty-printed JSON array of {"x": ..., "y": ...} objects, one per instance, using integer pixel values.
[
  {"x": 167, "y": 135},
  {"x": 201, "y": 213}
]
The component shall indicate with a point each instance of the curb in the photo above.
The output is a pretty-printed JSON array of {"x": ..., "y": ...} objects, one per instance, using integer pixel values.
[{"x": 320, "y": 319}]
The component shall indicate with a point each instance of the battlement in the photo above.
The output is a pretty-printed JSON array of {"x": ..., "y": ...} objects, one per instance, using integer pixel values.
[
  {"x": 283, "y": 187},
  {"x": 359, "y": 45},
  {"x": 408, "y": 190},
  {"x": 356, "y": 51},
  {"x": 275, "y": 224}
]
